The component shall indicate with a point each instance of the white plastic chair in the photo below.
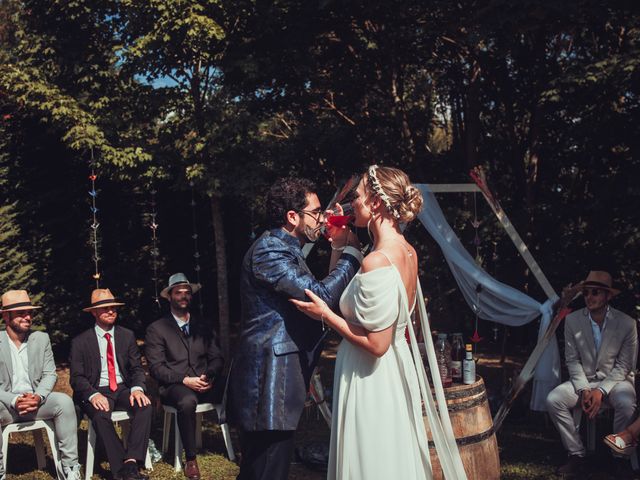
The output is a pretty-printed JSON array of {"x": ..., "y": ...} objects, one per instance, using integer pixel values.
[
  {"x": 200, "y": 409},
  {"x": 35, "y": 426},
  {"x": 116, "y": 417}
]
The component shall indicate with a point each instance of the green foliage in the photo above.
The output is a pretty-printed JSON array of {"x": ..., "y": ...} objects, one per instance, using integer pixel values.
[{"x": 227, "y": 96}]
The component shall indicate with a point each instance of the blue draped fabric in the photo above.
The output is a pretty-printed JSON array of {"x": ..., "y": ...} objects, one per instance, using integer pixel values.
[{"x": 491, "y": 299}]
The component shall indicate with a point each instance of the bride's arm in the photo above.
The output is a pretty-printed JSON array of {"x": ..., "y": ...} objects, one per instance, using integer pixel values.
[{"x": 376, "y": 343}]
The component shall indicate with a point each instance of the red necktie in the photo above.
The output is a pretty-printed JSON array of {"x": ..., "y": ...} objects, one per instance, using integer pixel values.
[{"x": 111, "y": 364}]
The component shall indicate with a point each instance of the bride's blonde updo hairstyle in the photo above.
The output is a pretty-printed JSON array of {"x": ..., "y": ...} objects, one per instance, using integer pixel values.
[{"x": 402, "y": 200}]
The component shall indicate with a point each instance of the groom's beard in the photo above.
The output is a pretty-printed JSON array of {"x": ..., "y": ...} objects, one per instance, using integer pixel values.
[{"x": 313, "y": 234}]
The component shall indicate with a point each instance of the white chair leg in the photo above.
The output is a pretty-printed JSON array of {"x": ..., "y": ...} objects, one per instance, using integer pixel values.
[
  {"x": 91, "y": 445},
  {"x": 147, "y": 461},
  {"x": 39, "y": 444},
  {"x": 166, "y": 431},
  {"x": 226, "y": 434},
  {"x": 55, "y": 450},
  {"x": 198, "y": 430},
  {"x": 177, "y": 460},
  {"x": 5, "y": 448}
]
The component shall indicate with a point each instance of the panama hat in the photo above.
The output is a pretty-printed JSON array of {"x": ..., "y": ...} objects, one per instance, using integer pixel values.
[
  {"x": 16, "y": 300},
  {"x": 178, "y": 279},
  {"x": 600, "y": 279},
  {"x": 102, "y": 297}
]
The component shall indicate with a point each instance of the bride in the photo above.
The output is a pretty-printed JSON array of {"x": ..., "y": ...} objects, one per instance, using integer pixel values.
[{"x": 378, "y": 430}]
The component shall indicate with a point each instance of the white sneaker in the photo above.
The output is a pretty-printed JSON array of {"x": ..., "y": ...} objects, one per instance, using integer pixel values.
[{"x": 73, "y": 473}]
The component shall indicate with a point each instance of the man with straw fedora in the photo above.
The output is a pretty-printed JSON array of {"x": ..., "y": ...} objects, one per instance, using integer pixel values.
[
  {"x": 27, "y": 378},
  {"x": 184, "y": 358},
  {"x": 601, "y": 348},
  {"x": 107, "y": 375}
]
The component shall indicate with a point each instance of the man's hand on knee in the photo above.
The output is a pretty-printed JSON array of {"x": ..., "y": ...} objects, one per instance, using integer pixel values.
[
  {"x": 140, "y": 398},
  {"x": 100, "y": 402}
]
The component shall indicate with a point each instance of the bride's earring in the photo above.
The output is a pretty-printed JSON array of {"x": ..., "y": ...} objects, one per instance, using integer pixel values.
[{"x": 369, "y": 227}]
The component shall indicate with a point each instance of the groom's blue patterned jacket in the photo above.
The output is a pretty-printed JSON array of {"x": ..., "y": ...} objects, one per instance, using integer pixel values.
[{"x": 279, "y": 346}]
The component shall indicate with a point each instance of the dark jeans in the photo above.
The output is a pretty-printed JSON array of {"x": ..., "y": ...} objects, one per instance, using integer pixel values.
[
  {"x": 185, "y": 401},
  {"x": 138, "y": 439},
  {"x": 266, "y": 455}
]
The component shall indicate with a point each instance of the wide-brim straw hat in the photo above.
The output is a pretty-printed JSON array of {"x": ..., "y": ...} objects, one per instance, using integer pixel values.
[
  {"x": 176, "y": 280},
  {"x": 102, "y": 297},
  {"x": 13, "y": 300},
  {"x": 600, "y": 279}
]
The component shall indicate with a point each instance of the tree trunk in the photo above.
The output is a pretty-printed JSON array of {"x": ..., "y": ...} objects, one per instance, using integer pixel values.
[{"x": 221, "y": 269}]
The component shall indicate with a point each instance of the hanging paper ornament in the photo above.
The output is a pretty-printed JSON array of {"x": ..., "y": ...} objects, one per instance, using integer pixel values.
[
  {"x": 154, "y": 251},
  {"x": 194, "y": 236},
  {"x": 475, "y": 338},
  {"x": 93, "y": 193}
]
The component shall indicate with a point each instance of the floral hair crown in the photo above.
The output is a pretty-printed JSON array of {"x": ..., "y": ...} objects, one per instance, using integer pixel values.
[{"x": 377, "y": 188}]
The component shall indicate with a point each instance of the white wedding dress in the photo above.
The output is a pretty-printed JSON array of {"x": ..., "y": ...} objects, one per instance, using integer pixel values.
[{"x": 377, "y": 428}]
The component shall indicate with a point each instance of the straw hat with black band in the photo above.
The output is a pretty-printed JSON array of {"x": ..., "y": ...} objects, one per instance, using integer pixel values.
[
  {"x": 600, "y": 279},
  {"x": 14, "y": 300},
  {"x": 102, "y": 297}
]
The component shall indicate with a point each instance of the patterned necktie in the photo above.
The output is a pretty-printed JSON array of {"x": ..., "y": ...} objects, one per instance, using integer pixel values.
[
  {"x": 185, "y": 329},
  {"x": 111, "y": 364}
]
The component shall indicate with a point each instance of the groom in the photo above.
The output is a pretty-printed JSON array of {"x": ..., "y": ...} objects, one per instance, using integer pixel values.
[{"x": 279, "y": 346}]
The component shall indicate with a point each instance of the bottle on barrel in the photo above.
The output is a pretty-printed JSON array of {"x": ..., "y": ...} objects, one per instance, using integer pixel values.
[
  {"x": 457, "y": 355},
  {"x": 443, "y": 355},
  {"x": 468, "y": 367}
]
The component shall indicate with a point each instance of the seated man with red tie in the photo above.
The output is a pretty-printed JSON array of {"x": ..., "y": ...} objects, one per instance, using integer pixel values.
[{"x": 107, "y": 375}]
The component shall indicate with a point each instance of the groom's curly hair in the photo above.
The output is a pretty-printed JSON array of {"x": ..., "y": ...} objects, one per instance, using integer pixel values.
[{"x": 289, "y": 193}]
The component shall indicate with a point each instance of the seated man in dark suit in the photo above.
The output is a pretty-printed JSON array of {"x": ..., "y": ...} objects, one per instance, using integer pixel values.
[
  {"x": 185, "y": 360},
  {"x": 107, "y": 375}
]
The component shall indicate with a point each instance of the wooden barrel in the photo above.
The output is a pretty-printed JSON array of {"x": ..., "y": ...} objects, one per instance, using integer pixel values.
[{"x": 473, "y": 427}]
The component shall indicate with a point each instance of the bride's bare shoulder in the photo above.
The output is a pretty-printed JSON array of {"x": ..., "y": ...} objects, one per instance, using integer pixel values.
[{"x": 373, "y": 261}]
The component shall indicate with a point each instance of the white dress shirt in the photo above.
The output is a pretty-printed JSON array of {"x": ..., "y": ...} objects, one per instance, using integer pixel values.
[
  {"x": 182, "y": 323},
  {"x": 20, "y": 382},
  {"x": 597, "y": 331},
  {"x": 104, "y": 369}
]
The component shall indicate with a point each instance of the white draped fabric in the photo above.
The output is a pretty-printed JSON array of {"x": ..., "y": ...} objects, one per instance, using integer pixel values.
[{"x": 491, "y": 299}]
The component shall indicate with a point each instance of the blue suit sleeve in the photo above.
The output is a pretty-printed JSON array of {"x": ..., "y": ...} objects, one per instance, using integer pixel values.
[{"x": 275, "y": 264}]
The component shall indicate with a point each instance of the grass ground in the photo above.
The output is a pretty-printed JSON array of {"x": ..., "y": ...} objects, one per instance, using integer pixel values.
[{"x": 529, "y": 445}]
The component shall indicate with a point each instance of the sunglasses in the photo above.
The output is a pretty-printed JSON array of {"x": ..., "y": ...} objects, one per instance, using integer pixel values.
[{"x": 594, "y": 292}]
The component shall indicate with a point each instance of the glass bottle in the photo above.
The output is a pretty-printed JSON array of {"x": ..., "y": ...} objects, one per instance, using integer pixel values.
[
  {"x": 443, "y": 355},
  {"x": 468, "y": 367},
  {"x": 457, "y": 355}
]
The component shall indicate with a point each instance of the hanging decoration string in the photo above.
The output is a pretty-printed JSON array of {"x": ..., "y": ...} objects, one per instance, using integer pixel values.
[
  {"x": 196, "y": 251},
  {"x": 155, "y": 251},
  {"x": 94, "y": 225},
  {"x": 476, "y": 242}
]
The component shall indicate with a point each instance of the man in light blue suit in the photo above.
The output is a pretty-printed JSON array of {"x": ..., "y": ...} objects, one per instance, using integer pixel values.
[{"x": 27, "y": 378}]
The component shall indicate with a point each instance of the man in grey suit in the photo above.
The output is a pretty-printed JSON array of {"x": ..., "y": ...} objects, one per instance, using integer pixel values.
[
  {"x": 601, "y": 347},
  {"x": 27, "y": 378}
]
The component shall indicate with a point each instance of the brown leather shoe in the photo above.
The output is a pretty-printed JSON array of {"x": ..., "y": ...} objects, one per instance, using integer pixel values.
[
  {"x": 574, "y": 466},
  {"x": 191, "y": 470}
]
